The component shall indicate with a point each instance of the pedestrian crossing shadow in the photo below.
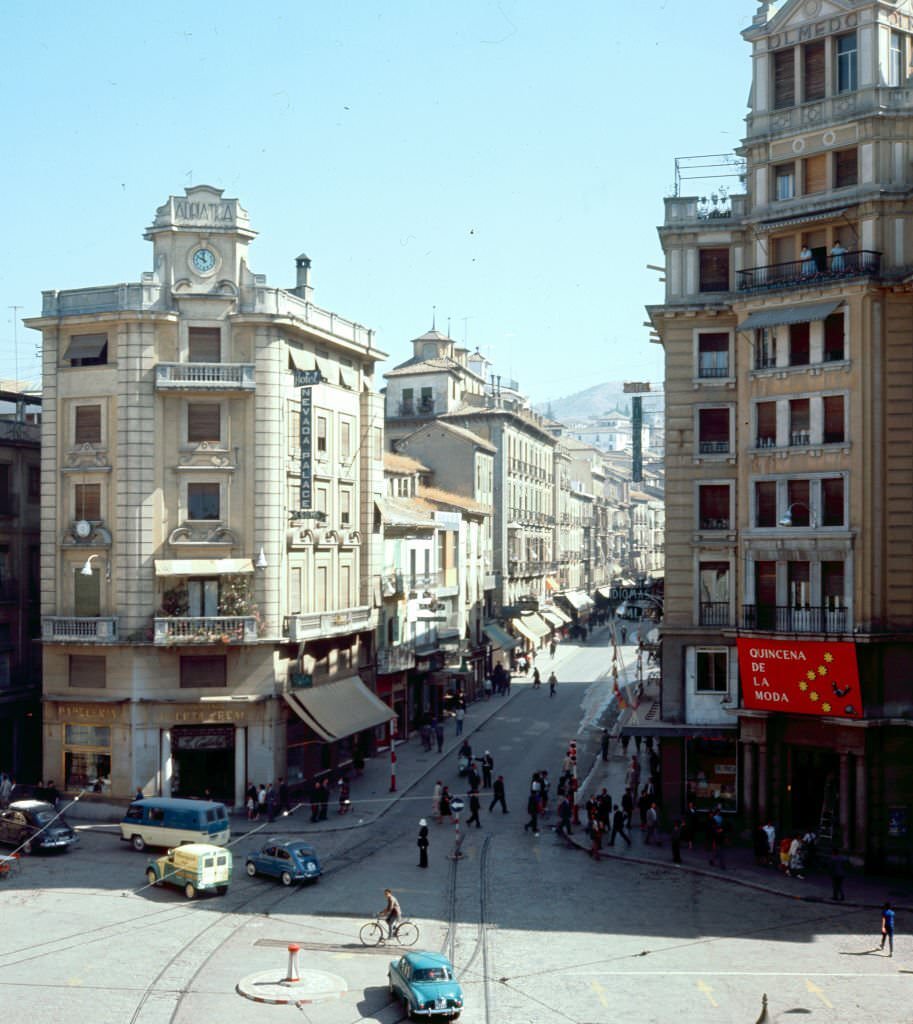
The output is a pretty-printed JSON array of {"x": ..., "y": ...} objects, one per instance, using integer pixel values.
[{"x": 864, "y": 952}]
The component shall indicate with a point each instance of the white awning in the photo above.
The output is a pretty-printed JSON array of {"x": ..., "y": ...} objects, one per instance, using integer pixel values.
[
  {"x": 537, "y": 624},
  {"x": 788, "y": 315},
  {"x": 339, "y": 709},
  {"x": 524, "y": 630},
  {"x": 202, "y": 566},
  {"x": 301, "y": 360},
  {"x": 554, "y": 618}
]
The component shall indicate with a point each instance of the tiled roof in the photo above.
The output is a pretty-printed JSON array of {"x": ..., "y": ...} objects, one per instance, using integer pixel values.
[
  {"x": 438, "y": 496},
  {"x": 419, "y": 365},
  {"x": 396, "y": 463},
  {"x": 462, "y": 432}
]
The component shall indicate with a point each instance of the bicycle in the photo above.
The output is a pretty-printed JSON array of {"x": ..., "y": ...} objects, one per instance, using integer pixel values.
[{"x": 375, "y": 933}]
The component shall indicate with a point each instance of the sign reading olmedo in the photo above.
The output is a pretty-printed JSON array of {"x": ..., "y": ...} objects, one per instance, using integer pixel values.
[{"x": 814, "y": 678}]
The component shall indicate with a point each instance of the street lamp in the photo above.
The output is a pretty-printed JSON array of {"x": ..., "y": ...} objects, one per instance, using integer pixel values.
[{"x": 787, "y": 518}]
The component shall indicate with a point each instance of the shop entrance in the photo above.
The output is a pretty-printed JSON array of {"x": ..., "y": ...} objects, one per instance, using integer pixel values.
[
  {"x": 813, "y": 787},
  {"x": 203, "y": 761}
]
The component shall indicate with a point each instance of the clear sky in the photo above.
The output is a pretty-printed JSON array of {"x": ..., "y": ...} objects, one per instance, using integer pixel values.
[{"x": 504, "y": 162}]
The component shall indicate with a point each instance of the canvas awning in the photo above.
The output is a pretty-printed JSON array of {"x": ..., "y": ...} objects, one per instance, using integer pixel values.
[
  {"x": 86, "y": 346},
  {"x": 788, "y": 315},
  {"x": 519, "y": 625},
  {"x": 301, "y": 360},
  {"x": 605, "y": 593},
  {"x": 499, "y": 639},
  {"x": 202, "y": 566},
  {"x": 577, "y": 600},
  {"x": 554, "y": 618},
  {"x": 537, "y": 624},
  {"x": 339, "y": 709}
]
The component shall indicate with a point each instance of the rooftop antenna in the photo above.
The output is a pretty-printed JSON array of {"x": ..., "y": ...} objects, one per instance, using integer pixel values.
[
  {"x": 433, "y": 317},
  {"x": 448, "y": 326},
  {"x": 15, "y": 310}
]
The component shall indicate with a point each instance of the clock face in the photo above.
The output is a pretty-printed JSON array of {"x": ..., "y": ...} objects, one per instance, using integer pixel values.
[
  {"x": 83, "y": 528},
  {"x": 203, "y": 260}
]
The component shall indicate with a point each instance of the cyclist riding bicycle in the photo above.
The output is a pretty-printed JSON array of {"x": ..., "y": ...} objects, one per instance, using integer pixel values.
[{"x": 391, "y": 912}]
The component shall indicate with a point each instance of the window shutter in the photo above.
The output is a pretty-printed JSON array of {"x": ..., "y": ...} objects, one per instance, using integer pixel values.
[
  {"x": 204, "y": 345},
  {"x": 767, "y": 422},
  {"x": 813, "y": 54},
  {"x": 834, "y": 430},
  {"x": 845, "y": 168},
  {"x": 784, "y": 78},
  {"x": 204, "y": 422},
  {"x": 87, "y": 671},
  {"x": 714, "y": 270},
  {"x": 816, "y": 174},
  {"x": 88, "y": 424},
  {"x": 88, "y": 501}
]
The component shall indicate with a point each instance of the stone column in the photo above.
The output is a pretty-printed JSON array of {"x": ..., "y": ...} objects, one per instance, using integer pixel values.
[
  {"x": 166, "y": 762},
  {"x": 843, "y": 823},
  {"x": 859, "y": 839},
  {"x": 763, "y": 804},
  {"x": 240, "y": 766}
]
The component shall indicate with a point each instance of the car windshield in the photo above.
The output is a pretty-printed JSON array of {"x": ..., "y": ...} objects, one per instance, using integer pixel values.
[
  {"x": 44, "y": 816},
  {"x": 302, "y": 851},
  {"x": 432, "y": 974}
]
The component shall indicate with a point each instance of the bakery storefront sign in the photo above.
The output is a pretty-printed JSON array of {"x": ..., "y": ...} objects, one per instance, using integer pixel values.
[{"x": 813, "y": 678}]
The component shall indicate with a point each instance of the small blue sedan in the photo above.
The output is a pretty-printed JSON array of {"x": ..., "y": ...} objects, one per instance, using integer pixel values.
[
  {"x": 426, "y": 984},
  {"x": 289, "y": 860}
]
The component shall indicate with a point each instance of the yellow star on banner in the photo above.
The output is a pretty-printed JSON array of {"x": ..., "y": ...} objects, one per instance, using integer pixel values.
[
  {"x": 822, "y": 671},
  {"x": 828, "y": 657},
  {"x": 825, "y": 707},
  {"x": 810, "y": 675},
  {"x": 813, "y": 695},
  {"x": 803, "y": 685}
]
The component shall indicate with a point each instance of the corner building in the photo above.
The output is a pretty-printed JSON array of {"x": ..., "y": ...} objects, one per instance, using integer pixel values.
[
  {"x": 211, "y": 450},
  {"x": 788, "y": 335}
]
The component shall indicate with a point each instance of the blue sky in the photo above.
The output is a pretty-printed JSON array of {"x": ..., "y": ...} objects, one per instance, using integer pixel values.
[{"x": 503, "y": 162}]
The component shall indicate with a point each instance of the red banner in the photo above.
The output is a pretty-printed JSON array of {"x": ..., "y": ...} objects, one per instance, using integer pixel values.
[{"x": 814, "y": 678}]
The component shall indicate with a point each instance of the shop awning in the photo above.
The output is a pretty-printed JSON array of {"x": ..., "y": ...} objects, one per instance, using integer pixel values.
[
  {"x": 86, "y": 346},
  {"x": 605, "y": 593},
  {"x": 537, "y": 624},
  {"x": 339, "y": 709},
  {"x": 202, "y": 566},
  {"x": 788, "y": 315},
  {"x": 576, "y": 599},
  {"x": 520, "y": 626},
  {"x": 301, "y": 360},
  {"x": 499, "y": 639},
  {"x": 554, "y": 618}
]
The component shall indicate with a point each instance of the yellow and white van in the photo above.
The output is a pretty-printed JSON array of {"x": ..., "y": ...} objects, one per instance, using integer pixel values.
[{"x": 194, "y": 867}]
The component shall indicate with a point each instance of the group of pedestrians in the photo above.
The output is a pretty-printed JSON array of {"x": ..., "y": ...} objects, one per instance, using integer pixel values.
[{"x": 267, "y": 800}]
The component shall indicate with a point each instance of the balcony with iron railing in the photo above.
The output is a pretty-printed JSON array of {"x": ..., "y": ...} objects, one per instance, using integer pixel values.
[
  {"x": 713, "y": 447},
  {"x": 412, "y": 407},
  {"x": 314, "y": 625},
  {"x": 810, "y": 271},
  {"x": 716, "y": 613},
  {"x": 204, "y": 629},
  {"x": 82, "y": 629},
  {"x": 204, "y": 377},
  {"x": 788, "y": 619}
]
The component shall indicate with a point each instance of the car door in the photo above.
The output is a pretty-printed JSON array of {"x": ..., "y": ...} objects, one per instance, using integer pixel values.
[
  {"x": 19, "y": 828},
  {"x": 266, "y": 862}
]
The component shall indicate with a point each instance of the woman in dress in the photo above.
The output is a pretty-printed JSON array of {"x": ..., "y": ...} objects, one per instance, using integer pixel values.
[
  {"x": 436, "y": 802},
  {"x": 445, "y": 804}
]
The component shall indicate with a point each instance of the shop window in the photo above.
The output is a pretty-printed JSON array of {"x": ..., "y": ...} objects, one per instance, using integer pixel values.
[
  {"x": 712, "y": 672},
  {"x": 87, "y": 350},
  {"x": 813, "y": 71},
  {"x": 712, "y": 354},
  {"x": 846, "y": 168},
  {"x": 87, "y": 758},
  {"x": 87, "y": 671},
  {"x": 204, "y": 345},
  {"x": 799, "y": 421},
  {"x": 784, "y": 74},
  {"x": 834, "y": 420},
  {"x": 847, "y": 78},
  {"x": 766, "y": 414},
  {"x": 785, "y": 181},
  {"x": 814, "y": 174},
  {"x": 714, "y": 270},
  {"x": 832, "y": 504},
  {"x": 203, "y": 501},
  {"x": 203, "y": 670},
  {"x": 87, "y": 428},
  {"x": 765, "y": 503},
  {"x": 87, "y": 501},
  {"x": 204, "y": 423},
  {"x": 834, "y": 345},
  {"x": 710, "y": 769},
  {"x": 798, "y": 495},
  {"x": 713, "y": 505},
  {"x": 713, "y": 430}
]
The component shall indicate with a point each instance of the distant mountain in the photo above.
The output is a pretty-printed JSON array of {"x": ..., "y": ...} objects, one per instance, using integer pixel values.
[{"x": 594, "y": 401}]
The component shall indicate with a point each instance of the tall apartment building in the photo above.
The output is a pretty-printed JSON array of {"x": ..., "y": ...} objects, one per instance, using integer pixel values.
[
  {"x": 787, "y": 328},
  {"x": 211, "y": 450}
]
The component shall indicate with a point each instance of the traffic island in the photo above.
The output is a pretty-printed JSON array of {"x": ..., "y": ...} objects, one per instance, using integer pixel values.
[{"x": 293, "y": 986}]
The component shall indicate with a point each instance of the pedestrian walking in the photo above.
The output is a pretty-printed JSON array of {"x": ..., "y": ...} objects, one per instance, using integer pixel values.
[
  {"x": 537, "y": 679},
  {"x": 324, "y": 799},
  {"x": 436, "y": 801},
  {"x": 445, "y": 803},
  {"x": 618, "y": 827},
  {"x": 315, "y": 801},
  {"x": 532, "y": 807},
  {"x": 422, "y": 843},
  {"x": 460, "y": 715},
  {"x": 643, "y": 805},
  {"x": 676, "y": 840},
  {"x": 474, "y": 807},
  {"x": 632, "y": 776},
  {"x": 252, "y": 804},
  {"x": 6, "y": 788},
  {"x": 272, "y": 802},
  {"x": 261, "y": 800},
  {"x": 552, "y": 647},
  {"x": 637, "y": 742},
  {"x": 604, "y": 743},
  {"x": 488, "y": 763},
  {"x": 652, "y": 824},
  {"x": 498, "y": 796},
  {"x": 563, "y": 828},
  {"x": 887, "y": 927},
  {"x": 283, "y": 796},
  {"x": 838, "y": 873},
  {"x": 625, "y": 743},
  {"x": 595, "y": 838},
  {"x": 488, "y": 686},
  {"x": 439, "y": 736},
  {"x": 552, "y": 685},
  {"x": 718, "y": 838},
  {"x": 627, "y": 804}
]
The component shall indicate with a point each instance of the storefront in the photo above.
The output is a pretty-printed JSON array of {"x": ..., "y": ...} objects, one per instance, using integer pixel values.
[{"x": 203, "y": 761}]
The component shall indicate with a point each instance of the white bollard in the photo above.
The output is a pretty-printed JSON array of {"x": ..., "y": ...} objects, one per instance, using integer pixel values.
[{"x": 292, "y": 976}]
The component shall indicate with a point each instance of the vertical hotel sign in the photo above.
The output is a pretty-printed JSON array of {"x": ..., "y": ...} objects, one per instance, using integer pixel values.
[
  {"x": 814, "y": 678},
  {"x": 305, "y": 380}
]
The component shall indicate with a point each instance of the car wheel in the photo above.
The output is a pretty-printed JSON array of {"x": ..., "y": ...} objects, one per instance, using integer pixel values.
[
  {"x": 138, "y": 843},
  {"x": 285, "y": 878},
  {"x": 251, "y": 868},
  {"x": 190, "y": 890},
  {"x": 151, "y": 877},
  {"x": 221, "y": 889}
]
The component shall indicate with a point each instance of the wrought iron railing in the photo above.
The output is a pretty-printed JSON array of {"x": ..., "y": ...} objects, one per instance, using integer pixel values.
[
  {"x": 716, "y": 613},
  {"x": 811, "y": 270},
  {"x": 786, "y": 619}
]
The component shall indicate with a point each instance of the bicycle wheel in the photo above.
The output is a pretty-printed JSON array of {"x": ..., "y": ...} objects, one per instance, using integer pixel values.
[
  {"x": 371, "y": 934},
  {"x": 407, "y": 934}
]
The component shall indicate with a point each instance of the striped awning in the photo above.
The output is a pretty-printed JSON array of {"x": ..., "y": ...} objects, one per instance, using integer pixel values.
[{"x": 788, "y": 315}]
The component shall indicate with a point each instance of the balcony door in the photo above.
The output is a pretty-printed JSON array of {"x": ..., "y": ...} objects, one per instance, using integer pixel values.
[
  {"x": 87, "y": 594},
  {"x": 203, "y": 598},
  {"x": 765, "y": 594}
]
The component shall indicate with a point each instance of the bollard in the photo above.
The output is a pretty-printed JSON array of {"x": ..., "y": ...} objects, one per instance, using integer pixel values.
[{"x": 292, "y": 964}]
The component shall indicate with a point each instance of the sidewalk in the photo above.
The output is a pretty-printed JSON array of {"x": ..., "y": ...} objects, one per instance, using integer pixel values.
[{"x": 868, "y": 891}]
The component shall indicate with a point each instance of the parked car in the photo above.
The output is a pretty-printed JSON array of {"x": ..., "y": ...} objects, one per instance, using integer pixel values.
[
  {"x": 426, "y": 984},
  {"x": 170, "y": 821},
  {"x": 194, "y": 867},
  {"x": 35, "y": 825},
  {"x": 289, "y": 860}
]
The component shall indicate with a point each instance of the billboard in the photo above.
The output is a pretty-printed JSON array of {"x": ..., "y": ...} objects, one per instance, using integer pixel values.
[{"x": 800, "y": 678}]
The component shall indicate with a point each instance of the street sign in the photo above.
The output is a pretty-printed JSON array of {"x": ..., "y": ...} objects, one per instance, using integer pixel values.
[
  {"x": 308, "y": 513},
  {"x": 636, "y": 387},
  {"x": 456, "y": 805},
  {"x": 306, "y": 378}
]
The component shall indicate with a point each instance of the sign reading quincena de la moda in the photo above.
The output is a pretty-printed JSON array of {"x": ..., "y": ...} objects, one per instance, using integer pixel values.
[{"x": 800, "y": 678}]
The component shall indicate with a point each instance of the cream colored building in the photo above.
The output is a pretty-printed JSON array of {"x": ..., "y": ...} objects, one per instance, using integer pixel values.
[
  {"x": 789, "y": 377},
  {"x": 210, "y": 551}
]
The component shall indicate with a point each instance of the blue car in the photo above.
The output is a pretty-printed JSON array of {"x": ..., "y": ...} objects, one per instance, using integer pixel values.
[
  {"x": 426, "y": 984},
  {"x": 289, "y": 860}
]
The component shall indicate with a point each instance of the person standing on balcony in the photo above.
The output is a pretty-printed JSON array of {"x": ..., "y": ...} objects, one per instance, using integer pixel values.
[
  {"x": 807, "y": 259},
  {"x": 837, "y": 254}
]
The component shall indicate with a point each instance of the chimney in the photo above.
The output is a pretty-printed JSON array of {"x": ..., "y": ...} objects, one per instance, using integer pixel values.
[{"x": 302, "y": 287}]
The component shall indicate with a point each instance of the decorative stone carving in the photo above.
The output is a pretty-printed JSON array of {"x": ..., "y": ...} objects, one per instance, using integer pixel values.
[{"x": 216, "y": 535}]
